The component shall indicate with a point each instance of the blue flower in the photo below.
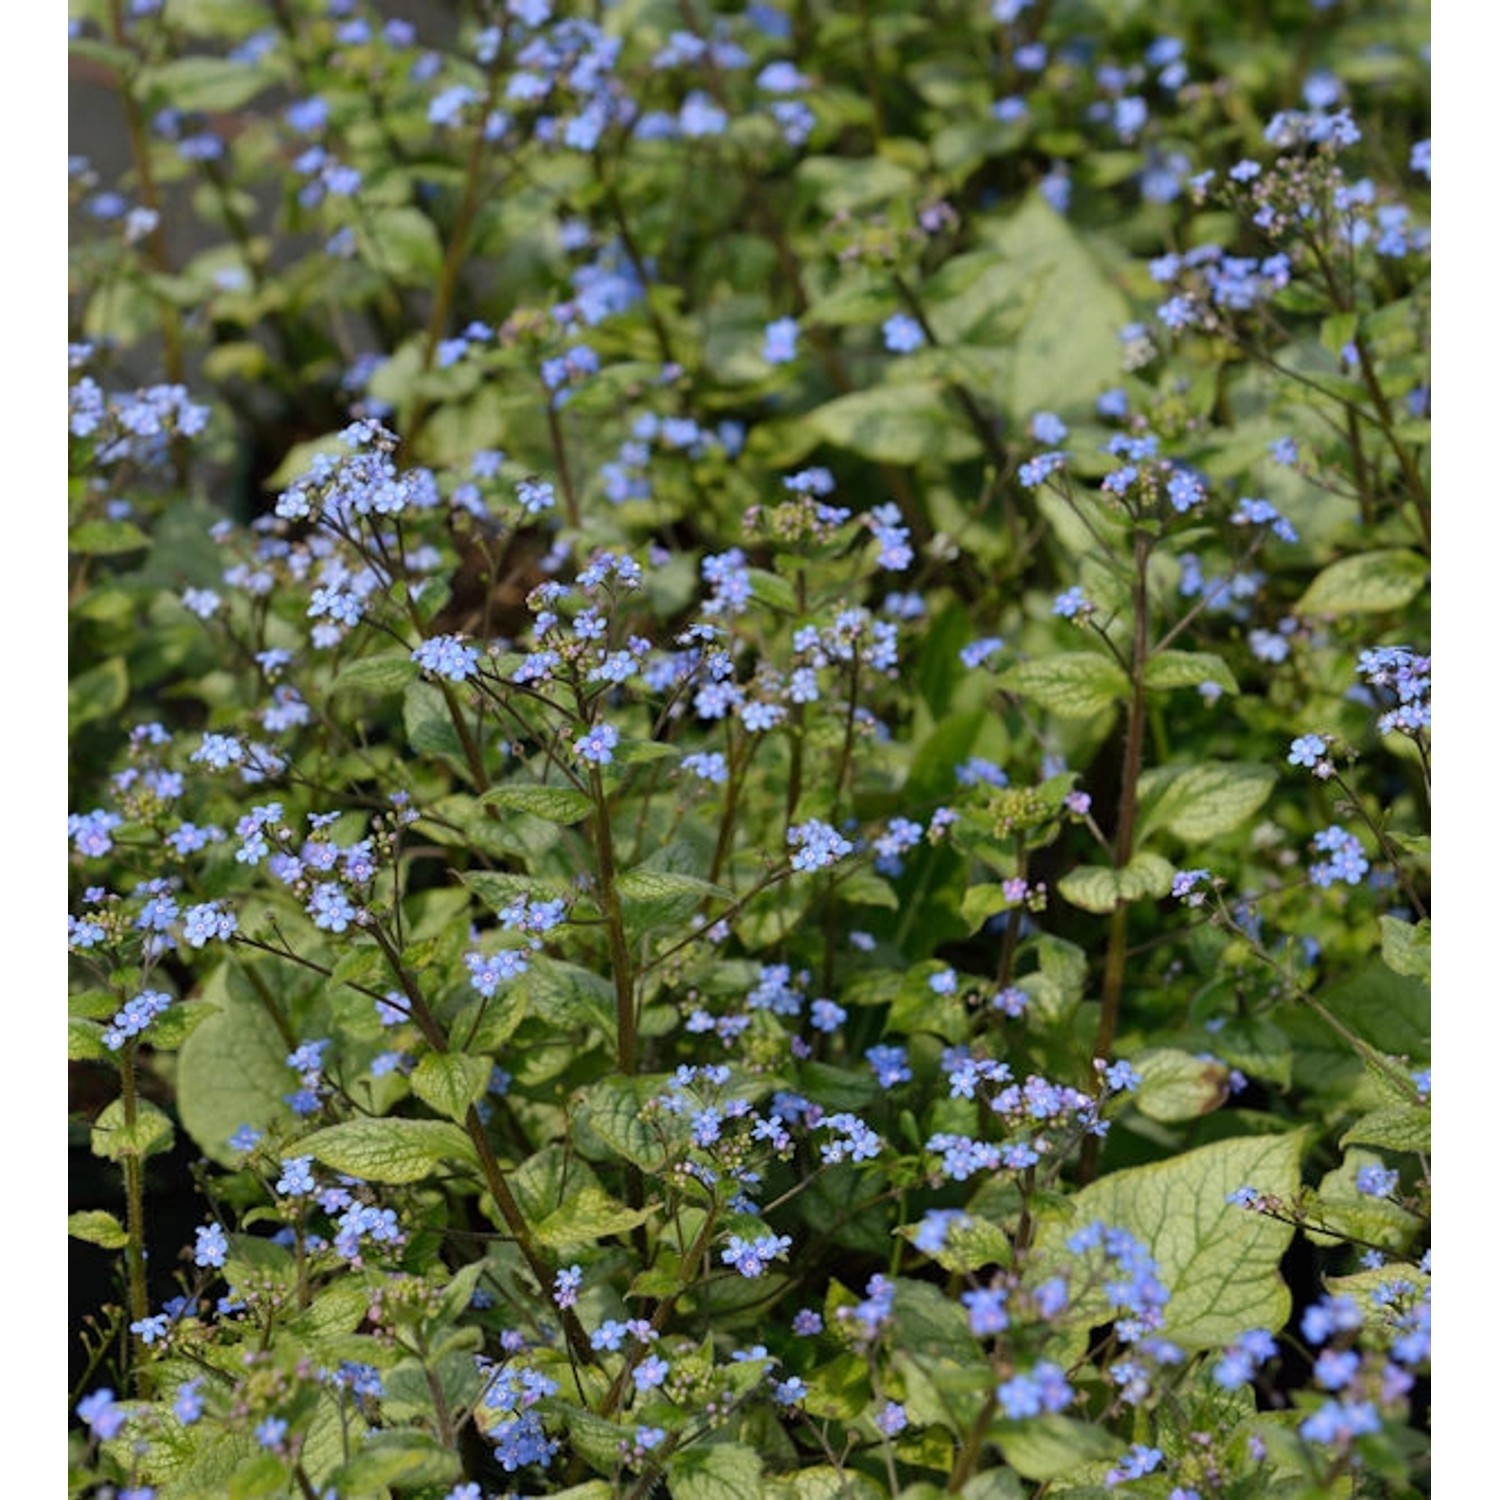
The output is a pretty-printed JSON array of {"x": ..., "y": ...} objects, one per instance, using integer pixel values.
[
  {"x": 1307, "y": 750},
  {"x": 902, "y": 333},
  {"x": 1048, "y": 428},
  {"x": 1071, "y": 603},
  {"x": 987, "y": 1312},
  {"x": 212, "y": 1248},
  {"x": 890, "y": 1065},
  {"x": 1043, "y": 1389},
  {"x": 816, "y": 845},
  {"x": 1377, "y": 1181},
  {"x": 1139, "y": 1461},
  {"x": 597, "y": 744},
  {"x": 751, "y": 1257},
  {"x": 152, "y": 1328},
  {"x": 100, "y": 1414},
  {"x": 296, "y": 1177},
  {"x": 780, "y": 345},
  {"x": 187, "y": 1404}
]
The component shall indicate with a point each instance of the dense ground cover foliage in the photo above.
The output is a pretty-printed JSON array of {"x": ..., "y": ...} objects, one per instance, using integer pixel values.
[{"x": 749, "y": 750}]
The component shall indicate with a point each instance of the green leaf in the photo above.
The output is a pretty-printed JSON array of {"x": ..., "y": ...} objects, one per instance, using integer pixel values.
[
  {"x": 174, "y": 1026},
  {"x": 1071, "y": 684},
  {"x": 86, "y": 1041},
  {"x": 402, "y": 1456},
  {"x": 105, "y": 538},
  {"x": 863, "y": 887},
  {"x": 213, "y": 85},
  {"x": 388, "y": 672},
  {"x": 1048, "y": 1447},
  {"x": 594, "y": 1438},
  {"x": 1175, "y": 1085},
  {"x": 557, "y": 804},
  {"x": 99, "y": 693},
  {"x": 1066, "y": 348},
  {"x": 1257, "y": 1047},
  {"x": 981, "y": 902},
  {"x": 1099, "y": 888},
  {"x": 98, "y": 1228},
  {"x": 567, "y": 995},
  {"x": 993, "y": 1484},
  {"x": 714, "y": 1471},
  {"x": 113, "y": 1139},
  {"x": 1189, "y": 669},
  {"x": 1395, "y": 1127},
  {"x": 1220, "y": 1262},
  {"x": 848, "y": 183},
  {"x": 1407, "y": 947},
  {"x": 401, "y": 242},
  {"x": 94, "y": 1005},
  {"x": 773, "y": 589},
  {"x": 498, "y": 890},
  {"x": 895, "y": 424},
  {"x": 970, "y": 1244},
  {"x": 612, "y": 1110},
  {"x": 930, "y": 1324},
  {"x": 258, "y": 1477},
  {"x": 634, "y": 752},
  {"x": 589, "y": 1214},
  {"x": 486, "y": 1024},
  {"x": 388, "y": 1150},
  {"x": 1196, "y": 803},
  {"x": 232, "y": 1070},
  {"x": 450, "y": 1082},
  {"x": 821, "y": 1482},
  {"x": 362, "y": 963},
  {"x": 1366, "y": 583},
  {"x": 1337, "y": 330},
  {"x": 642, "y": 884},
  {"x": 429, "y": 726},
  {"x": 1341, "y": 1211}
]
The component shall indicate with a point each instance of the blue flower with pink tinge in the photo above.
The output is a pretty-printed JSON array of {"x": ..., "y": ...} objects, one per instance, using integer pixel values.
[
  {"x": 752, "y": 1257},
  {"x": 1036, "y": 470},
  {"x": 780, "y": 345},
  {"x": 488, "y": 971}
]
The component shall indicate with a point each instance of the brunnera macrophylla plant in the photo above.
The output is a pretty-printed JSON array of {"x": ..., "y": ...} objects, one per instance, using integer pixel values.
[{"x": 751, "y": 749}]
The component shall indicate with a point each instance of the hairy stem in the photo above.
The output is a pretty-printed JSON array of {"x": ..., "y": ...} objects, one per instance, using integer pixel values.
[{"x": 135, "y": 1216}]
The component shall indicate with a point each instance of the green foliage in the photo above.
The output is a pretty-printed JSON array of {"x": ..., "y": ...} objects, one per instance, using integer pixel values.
[{"x": 750, "y": 756}]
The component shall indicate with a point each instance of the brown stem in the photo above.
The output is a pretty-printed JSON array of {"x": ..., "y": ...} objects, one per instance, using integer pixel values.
[
  {"x": 135, "y": 1217},
  {"x": 489, "y": 1164},
  {"x": 560, "y": 458},
  {"x": 614, "y": 925},
  {"x": 1135, "y": 740},
  {"x": 968, "y": 1456}
]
